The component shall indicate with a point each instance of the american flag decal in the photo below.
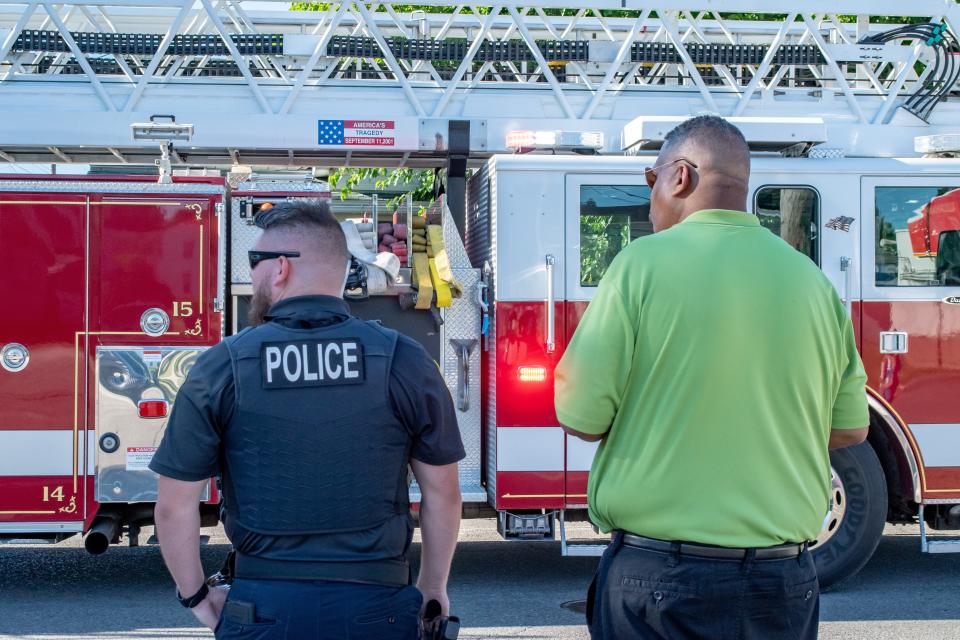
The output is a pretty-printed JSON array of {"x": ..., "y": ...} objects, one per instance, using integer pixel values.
[
  {"x": 356, "y": 133},
  {"x": 840, "y": 223}
]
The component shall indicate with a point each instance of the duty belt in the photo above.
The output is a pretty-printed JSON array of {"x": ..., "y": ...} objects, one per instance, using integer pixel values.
[
  {"x": 779, "y": 552},
  {"x": 387, "y": 573}
]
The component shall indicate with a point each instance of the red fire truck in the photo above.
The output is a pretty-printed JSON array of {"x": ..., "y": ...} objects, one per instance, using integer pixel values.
[
  {"x": 114, "y": 285},
  {"x": 935, "y": 238},
  {"x": 133, "y": 279}
]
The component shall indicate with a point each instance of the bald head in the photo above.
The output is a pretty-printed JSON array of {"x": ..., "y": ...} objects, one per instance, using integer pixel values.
[
  {"x": 715, "y": 145},
  {"x": 704, "y": 164},
  {"x": 312, "y": 230}
]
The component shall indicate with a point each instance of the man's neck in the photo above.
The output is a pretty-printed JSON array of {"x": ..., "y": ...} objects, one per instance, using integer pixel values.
[
  {"x": 307, "y": 291},
  {"x": 714, "y": 203}
]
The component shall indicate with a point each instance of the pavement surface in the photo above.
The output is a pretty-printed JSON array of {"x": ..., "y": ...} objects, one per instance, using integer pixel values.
[{"x": 500, "y": 590}]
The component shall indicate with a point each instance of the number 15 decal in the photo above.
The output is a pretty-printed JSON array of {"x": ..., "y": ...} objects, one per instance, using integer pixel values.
[{"x": 182, "y": 309}]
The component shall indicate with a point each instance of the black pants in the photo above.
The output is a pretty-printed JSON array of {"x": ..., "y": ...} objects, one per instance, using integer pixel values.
[
  {"x": 282, "y": 610},
  {"x": 644, "y": 594}
]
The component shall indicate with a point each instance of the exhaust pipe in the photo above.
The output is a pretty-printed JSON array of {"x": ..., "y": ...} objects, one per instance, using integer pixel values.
[{"x": 102, "y": 533}]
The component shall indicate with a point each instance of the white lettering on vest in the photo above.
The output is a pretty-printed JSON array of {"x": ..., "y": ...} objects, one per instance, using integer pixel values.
[
  {"x": 307, "y": 375},
  {"x": 332, "y": 373},
  {"x": 320, "y": 361},
  {"x": 349, "y": 358},
  {"x": 273, "y": 361},
  {"x": 291, "y": 350}
]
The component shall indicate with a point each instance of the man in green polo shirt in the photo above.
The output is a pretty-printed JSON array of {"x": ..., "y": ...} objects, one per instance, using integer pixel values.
[{"x": 716, "y": 365}]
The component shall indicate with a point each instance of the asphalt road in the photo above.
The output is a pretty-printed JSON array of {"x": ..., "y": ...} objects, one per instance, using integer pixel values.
[{"x": 500, "y": 589}]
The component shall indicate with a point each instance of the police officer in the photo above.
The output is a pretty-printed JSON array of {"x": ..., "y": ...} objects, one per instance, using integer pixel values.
[{"x": 311, "y": 417}]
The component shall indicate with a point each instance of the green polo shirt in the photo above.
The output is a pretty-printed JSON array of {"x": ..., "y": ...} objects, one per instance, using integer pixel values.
[{"x": 715, "y": 359}]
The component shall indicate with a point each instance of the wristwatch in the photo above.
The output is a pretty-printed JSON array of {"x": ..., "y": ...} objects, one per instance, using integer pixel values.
[{"x": 196, "y": 598}]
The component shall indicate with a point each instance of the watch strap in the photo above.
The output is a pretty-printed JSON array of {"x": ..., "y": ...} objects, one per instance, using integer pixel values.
[{"x": 196, "y": 598}]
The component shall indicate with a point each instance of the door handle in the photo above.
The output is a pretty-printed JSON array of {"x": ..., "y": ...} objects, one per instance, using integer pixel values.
[
  {"x": 551, "y": 311},
  {"x": 464, "y": 348},
  {"x": 893, "y": 342},
  {"x": 846, "y": 266}
]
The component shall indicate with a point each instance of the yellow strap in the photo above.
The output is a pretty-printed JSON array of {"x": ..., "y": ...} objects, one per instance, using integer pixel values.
[
  {"x": 422, "y": 278},
  {"x": 445, "y": 273},
  {"x": 444, "y": 299}
]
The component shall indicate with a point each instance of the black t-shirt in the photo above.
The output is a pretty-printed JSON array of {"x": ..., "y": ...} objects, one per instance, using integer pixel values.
[{"x": 191, "y": 447}]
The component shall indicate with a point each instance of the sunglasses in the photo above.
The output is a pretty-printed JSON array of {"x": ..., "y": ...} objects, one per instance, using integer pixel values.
[
  {"x": 256, "y": 257},
  {"x": 650, "y": 173}
]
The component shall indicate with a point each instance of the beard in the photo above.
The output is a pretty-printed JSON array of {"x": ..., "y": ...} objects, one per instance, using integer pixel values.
[{"x": 259, "y": 305}]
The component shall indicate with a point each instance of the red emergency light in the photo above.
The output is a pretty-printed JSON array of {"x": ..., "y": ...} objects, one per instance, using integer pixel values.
[{"x": 152, "y": 408}]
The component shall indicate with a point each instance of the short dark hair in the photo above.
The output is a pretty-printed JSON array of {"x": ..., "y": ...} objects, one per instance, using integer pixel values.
[
  {"x": 312, "y": 219},
  {"x": 709, "y": 129},
  {"x": 296, "y": 215}
]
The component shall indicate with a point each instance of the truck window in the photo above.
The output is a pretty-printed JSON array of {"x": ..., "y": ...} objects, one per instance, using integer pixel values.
[
  {"x": 791, "y": 213},
  {"x": 917, "y": 236},
  {"x": 611, "y": 216}
]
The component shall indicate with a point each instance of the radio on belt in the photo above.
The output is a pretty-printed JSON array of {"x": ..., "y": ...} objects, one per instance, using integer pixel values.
[{"x": 311, "y": 363}]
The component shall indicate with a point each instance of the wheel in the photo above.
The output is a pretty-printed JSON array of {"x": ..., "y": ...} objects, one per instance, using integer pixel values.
[{"x": 858, "y": 512}]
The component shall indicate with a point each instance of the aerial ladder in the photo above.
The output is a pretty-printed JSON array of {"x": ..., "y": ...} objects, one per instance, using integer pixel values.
[{"x": 255, "y": 79}]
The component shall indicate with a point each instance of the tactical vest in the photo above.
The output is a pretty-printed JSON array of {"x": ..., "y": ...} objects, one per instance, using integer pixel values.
[{"x": 314, "y": 445}]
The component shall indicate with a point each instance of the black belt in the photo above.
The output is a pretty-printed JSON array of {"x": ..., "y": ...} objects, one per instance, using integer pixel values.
[
  {"x": 388, "y": 573},
  {"x": 779, "y": 552}
]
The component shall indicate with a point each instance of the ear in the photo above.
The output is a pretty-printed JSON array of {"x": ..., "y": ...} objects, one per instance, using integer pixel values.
[
  {"x": 684, "y": 180},
  {"x": 281, "y": 277}
]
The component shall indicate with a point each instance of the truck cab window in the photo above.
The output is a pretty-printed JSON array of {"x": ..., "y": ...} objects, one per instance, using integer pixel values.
[
  {"x": 791, "y": 213},
  {"x": 917, "y": 236},
  {"x": 611, "y": 216}
]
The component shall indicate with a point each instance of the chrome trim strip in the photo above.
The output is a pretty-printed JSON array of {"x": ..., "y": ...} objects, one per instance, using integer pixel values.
[
  {"x": 220, "y": 210},
  {"x": 894, "y": 426},
  {"x": 85, "y": 368},
  {"x": 52, "y": 186},
  {"x": 41, "y": 527}
]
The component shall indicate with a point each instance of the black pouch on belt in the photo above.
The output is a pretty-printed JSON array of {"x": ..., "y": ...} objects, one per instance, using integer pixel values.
[{"x": 438, "y": 627}]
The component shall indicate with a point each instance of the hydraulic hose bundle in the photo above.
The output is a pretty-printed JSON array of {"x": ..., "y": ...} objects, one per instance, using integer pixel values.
[{"x": 946, "y": 68}]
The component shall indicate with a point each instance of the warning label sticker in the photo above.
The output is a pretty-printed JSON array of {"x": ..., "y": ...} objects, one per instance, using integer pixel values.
[{"x": 138, "y": 458}]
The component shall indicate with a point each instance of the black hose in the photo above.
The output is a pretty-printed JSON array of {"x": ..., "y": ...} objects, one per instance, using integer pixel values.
[{"x": 945, "y": 70}]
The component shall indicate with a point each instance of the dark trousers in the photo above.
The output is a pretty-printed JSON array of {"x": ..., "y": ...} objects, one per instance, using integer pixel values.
[
  {"x": 279, "y": 609},
  {"x": 644, "y": 594}
]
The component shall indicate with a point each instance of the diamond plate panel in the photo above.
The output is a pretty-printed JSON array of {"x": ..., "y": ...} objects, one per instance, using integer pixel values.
[
  {"x": 451, "y": 239},
  {"x": 242, "y": 236},
  {"x": 462, "y": 321}
]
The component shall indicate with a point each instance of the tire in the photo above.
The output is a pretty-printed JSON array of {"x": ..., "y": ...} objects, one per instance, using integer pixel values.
[{"x": 853, "y": 531}]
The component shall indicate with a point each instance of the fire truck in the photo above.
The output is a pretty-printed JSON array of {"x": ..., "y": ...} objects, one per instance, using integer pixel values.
[{"x": 543, "y": 121}]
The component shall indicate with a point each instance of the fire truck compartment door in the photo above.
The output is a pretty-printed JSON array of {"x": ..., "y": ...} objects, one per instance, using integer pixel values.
[
  {"x": 158, "y": 252},
  {"x": 604, "y": 213},
  {"x": 43, "y": 238},
  {"x": 125, "y": 441},
  {"x": 911, "y": 285}
]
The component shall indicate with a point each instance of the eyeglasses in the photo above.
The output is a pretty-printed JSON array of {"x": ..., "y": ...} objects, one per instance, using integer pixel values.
[
  {"x": 650, "y": 173},
  {"x": 256, "y": 257}
]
